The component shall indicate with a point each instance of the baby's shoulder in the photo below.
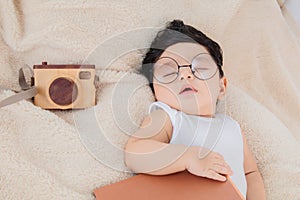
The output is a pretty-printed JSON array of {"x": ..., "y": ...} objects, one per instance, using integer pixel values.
[
  {"x": 158, "y": 105},
  {"x": 158, "y": 121},
  {"x": 158, "y": 116}
]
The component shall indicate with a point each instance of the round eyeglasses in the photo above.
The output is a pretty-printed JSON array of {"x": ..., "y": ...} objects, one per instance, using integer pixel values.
[{"x": 166, "y": 69}]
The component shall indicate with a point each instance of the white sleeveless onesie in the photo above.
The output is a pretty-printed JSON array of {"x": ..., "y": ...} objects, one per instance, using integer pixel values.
[{"x": 220, "y": 134}]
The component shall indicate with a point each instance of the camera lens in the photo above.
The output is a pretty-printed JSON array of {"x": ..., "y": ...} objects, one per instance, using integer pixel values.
[{"x": 63, "y": 91}]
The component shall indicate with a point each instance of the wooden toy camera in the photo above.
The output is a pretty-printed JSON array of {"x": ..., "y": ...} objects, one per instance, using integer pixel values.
[{"x": 64, "y": 86}]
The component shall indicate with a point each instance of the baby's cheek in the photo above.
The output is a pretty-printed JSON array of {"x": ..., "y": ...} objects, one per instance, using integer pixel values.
[{"x": 167, "y": 96}]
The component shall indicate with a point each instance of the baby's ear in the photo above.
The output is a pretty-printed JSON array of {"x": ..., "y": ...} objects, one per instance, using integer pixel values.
[{"x": 223, "y": 86}]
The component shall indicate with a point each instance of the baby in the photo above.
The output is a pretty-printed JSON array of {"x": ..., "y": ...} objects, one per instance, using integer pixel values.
[{"x": 183, "y": 130}]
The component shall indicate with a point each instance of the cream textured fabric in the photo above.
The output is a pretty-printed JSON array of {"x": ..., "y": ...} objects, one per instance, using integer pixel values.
[{"x": 48, "y": 155}]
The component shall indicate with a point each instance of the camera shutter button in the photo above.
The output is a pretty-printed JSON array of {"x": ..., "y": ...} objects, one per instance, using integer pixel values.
[{"x": 63, "y": 91}]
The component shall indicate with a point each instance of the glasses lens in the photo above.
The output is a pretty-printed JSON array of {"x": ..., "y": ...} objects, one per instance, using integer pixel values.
[
  {"x": 204, "y": 66},
  {"x": 165, "y": 70}
]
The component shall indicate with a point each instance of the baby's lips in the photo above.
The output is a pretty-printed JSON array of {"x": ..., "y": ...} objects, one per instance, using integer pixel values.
[{"x": 187, "y": 86}]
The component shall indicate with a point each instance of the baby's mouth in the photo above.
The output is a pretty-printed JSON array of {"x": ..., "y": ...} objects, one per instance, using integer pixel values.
[{"x": 187, "y": 89}]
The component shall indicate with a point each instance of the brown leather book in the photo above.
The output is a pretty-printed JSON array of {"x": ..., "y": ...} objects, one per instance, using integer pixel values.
[{"x": 178, "y": 186}]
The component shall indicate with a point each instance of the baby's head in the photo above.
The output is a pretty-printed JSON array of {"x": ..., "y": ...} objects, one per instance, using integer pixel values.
[{"x": 184, "y": 69}]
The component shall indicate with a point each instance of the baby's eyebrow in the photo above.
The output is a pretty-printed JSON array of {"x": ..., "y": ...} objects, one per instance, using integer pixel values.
[{"x": 166, "y": 61}]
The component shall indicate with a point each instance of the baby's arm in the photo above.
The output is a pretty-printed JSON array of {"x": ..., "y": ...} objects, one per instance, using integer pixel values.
[
  {"x": 255, "y": 185},
  {"x": 148, "y": 151}
]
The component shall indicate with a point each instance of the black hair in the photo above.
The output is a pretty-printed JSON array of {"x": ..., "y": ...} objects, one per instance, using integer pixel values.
[{"x": 176, "y": 32}]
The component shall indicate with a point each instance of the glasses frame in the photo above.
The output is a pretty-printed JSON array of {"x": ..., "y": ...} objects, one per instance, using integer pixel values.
[{"x": 180, "y": 66}]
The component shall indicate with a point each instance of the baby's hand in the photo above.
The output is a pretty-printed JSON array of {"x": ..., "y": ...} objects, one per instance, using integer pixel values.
[{"x": 205, "y": 163}]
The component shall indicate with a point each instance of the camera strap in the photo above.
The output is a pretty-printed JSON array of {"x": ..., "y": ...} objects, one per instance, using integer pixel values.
[{"x": 28, "y": 91}]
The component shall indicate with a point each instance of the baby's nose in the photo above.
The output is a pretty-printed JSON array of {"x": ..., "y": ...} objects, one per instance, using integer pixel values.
[{"x": 186, "y": 73}]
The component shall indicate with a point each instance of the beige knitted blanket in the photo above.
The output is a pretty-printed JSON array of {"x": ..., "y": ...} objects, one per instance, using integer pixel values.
[{"x": 66, "y": 154}]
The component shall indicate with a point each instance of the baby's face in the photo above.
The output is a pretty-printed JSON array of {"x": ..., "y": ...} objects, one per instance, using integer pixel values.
[{"x": 188, "y": 93}]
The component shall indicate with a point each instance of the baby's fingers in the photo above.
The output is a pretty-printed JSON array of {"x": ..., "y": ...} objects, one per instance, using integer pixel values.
[
  {"x": 213, "y": 175},
  {"x": 221, "y": 169}
]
